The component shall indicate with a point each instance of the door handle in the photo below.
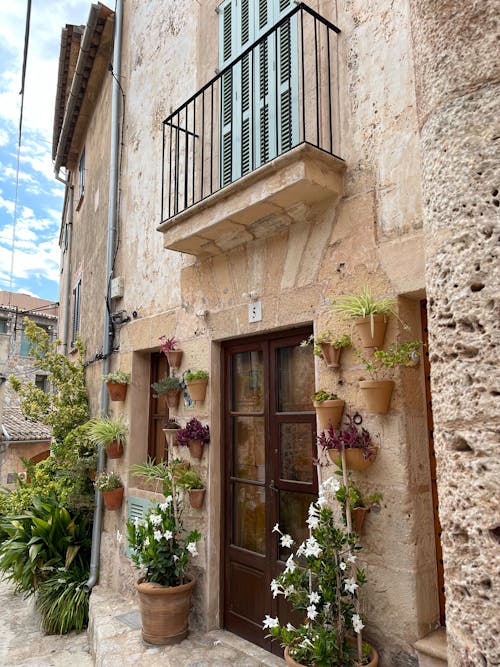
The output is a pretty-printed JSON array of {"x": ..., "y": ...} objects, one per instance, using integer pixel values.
[{"x": 272, "y": 487}]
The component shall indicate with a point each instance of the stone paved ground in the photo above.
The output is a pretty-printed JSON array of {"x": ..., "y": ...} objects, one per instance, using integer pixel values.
[
  {"x": 23, "y": 644},
  {"x": 115, "y": 640}
]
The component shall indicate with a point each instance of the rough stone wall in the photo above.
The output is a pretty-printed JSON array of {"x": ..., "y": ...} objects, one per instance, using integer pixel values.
[{"x": 457, "y": 84}]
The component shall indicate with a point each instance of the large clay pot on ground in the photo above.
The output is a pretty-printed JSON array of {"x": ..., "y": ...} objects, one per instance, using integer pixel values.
[
  {"x": 114, "y": 449},
  {"x": 377, "y": 395},
  {"x": 371, "y": 330},
  {"x": 174, "y": 358},
  {"x": 197, "y": 389},
  {"x": 196, "y": 448},
  {"x": 331, "y": 355},
  {"x": 113, "y": 499},
  {"x": 373, "y": 662},
  {"x": 117, "y": 390},
  {"x": 196, "y": 498},
  {"x": 164, "y": 611},
  {"x": 329, "y": 413}
]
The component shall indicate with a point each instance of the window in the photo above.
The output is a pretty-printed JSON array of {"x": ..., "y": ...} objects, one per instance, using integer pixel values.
[
  {"x": 41, "y": 382},
  {"x": 259, "y": 94},
  {"x": 158, "y": 411},
  {"x": 3, "y": 325},
  {"x": 81, "y": 174},
  {"x": 76, "y": 311},
  {"x": 24, "y": 349}
]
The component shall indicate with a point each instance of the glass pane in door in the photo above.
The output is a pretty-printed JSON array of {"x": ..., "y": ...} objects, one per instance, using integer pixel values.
[
  {"x": 249, "y": 523},
  {"x": 296, "y": 452},
  {"x": 248, "y": 447},
  {"x": 248, "y": 381},
  {"x": 293, "y": 509},
  {"x": 295, "y": 379}
]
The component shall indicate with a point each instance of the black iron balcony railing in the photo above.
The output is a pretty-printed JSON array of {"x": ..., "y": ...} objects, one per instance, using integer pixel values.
[{"x": 279, "y": 93}]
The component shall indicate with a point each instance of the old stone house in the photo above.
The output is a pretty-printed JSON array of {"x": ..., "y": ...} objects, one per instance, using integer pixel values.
[
  {"x": 238, "y": 165},
  {"x": 20, "y": 437}
]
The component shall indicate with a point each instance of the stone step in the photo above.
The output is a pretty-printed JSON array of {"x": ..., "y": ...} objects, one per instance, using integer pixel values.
[{"x": 431, "y": 649}]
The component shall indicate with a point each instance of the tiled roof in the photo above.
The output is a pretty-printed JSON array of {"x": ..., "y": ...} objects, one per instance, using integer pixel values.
[{"x": 20, "y": 428}]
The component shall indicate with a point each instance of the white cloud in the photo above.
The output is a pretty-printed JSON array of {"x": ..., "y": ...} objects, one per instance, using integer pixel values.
[
  {"x": 27, "y": 292},
  {"x": 7, "y": 204},
  {"x": 4, "y": 138}
]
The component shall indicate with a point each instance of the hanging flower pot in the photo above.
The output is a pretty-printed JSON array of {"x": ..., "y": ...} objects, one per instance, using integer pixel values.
[
  {"x": 196, "y": 448},
  {"x": 196, "y": 383},
  {"x": 354, "y": 457},
  {"x": 358, "y": 515},
  {"x": 196, "y": 498},
  {"x": 164, "y": 611},
  {"x": 114, "y": 449},
  {"x": 328, "y": 410},
  {"x": 117, "y": 391},
  {"x": 371, "y": 330},
  {"x": 172, "y": 398},
  {"x": 377, "y": 394},
  {"x": 174, "y": 358},
  {"x": 113, "y": 499},
  {"x": 331, "y": 355}
]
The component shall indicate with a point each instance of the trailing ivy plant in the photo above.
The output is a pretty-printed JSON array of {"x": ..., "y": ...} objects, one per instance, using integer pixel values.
[{"x": 66, "y": 407}]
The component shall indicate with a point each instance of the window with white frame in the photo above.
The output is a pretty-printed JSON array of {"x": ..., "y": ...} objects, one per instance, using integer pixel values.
[
  {"x": 81, "y": 174},
  {"x": 75, "y": 328}
]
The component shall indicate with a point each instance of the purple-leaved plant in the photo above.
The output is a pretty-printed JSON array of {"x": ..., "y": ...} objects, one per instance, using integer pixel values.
[
  {"x": 348, "y": 436},
  {"x": 194, "y": 430}
]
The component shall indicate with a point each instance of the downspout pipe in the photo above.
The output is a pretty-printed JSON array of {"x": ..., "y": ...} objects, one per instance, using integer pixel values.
[
  {"x": 67, "y": 268},
  {"x": 107, "y": 334}
]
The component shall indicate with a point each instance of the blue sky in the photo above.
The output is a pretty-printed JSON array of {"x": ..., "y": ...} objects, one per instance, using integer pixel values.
[{"x": 40, "y": 196}]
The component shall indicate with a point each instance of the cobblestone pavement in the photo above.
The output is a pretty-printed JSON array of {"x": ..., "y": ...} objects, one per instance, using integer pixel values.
[
  {"x": 114, "y": 637},
  {"x": 23, "y": 644}
]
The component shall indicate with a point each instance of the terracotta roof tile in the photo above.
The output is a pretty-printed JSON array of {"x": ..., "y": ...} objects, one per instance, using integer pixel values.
[{"x": 20, "y": 428}]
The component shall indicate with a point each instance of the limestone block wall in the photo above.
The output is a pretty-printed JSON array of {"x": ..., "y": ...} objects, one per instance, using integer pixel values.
[{"x": 457, "y": 84}]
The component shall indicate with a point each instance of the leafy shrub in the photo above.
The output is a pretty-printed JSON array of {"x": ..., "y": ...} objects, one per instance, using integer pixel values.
[{"x": 62, "y": 603}]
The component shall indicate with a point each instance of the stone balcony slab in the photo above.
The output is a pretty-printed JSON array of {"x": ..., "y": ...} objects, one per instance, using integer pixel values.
[{"x": 262, "y": 203}]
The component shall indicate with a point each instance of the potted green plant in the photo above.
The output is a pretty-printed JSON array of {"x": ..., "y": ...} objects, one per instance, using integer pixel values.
[
  {"x": 162, "y": 550},
  {"x": 169, "y": 348},
  {"x": 360, "y": 452},
  {"x": 328, "y": 346},
  {"x": 360, "y": 505},
  {"x": 329, "y": 408},
  {"x": 110, "y": 433},
  {"x": 378, "y": 389},
  {"x": 169, "y": 387},
  {"x": 322, "y": 581},
  {"x": 111, "y": 487},
  {"x": 368, "y": 312},
  {"x": 196, "y": 382},
  {"x": 194, "y": 436},
  {"x": 116, "y": 384},
  {"x": 191, "y": 481}
]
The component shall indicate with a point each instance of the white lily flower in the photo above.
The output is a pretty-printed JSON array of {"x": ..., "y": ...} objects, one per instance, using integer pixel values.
[
  {"x": 350, "y": 585},
  {"x": 270, "y": 622},
  {"x": 157, "y": 535},
  {"x": 342, "y": 565},
  {"x": 357, "y": 623},
  {"x": 286, "y": 541},
  {"x": 312, "y": 612},
  {"x": 276, "y": 528},
  {"x": 314, "y": 597},
  {"x": 191, "y": 547}
]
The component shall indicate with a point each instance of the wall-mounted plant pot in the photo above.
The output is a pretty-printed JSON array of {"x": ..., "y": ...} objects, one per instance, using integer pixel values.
[
  {"x": 174, "y": 358},
  {"x": 196, "y": 448},
  {"x": 113, "y": 499},
  {"x": 358, "y": 516},
  {"x": 196, "y": 498},
  {"x": 354, "y": 458},
  {"x": 331, "y": 355},
  {"x": 180, "y": 469},
  {"x": 171, "y": 433},
  {"x": 117, "y": 391},
  {"x": 114, "y": 450},
  {"x": 371, "y": 330},
  {"x": 197, "y": 389},
  {"x": 377, "y": 395},
  {"x": 329, "y": 413},
  {"x": 172, "y": 399}
]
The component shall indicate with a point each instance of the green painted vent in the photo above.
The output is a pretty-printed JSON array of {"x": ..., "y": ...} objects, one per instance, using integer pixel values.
[{"x": 136, "y": 509}]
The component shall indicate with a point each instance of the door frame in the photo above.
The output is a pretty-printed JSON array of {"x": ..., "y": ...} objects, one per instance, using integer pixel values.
[{"x": 303, "y": 331}]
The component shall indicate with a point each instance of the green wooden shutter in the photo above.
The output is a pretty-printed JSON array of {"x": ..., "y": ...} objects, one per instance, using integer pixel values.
[
  {"x": 136, "y": 509},
  {"x": 288, "y": 85}
]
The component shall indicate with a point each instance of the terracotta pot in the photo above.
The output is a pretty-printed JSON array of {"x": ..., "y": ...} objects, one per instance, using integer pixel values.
[
  {"x": 196, "y": 448},
  {"x": 196, "y": 498},
  {"x": 354, "y": 458},
  {"x": 377, "y": 395},
  {"x": 358, "y": 515},
  {"x": 171, "y": 432},
  {"x": 172, "y": 399},
  {"x": 331, "y": 355},
  {"x": 329, "y": 412},
  {"x": 373, "y": 662},
  {"x": 114, "y": 450},
  {"x": 117, "y": 391},
  {"x": 113, "y": 499},
  {"x": 197, "y": 389},
  {"x": 164, "y": 611},
  {"x": 174, "y": 358},
  {"x": 366, "y": 325}
]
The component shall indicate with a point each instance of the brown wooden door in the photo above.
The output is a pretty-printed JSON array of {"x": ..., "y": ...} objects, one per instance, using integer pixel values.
[{"x": 269, "y": 477}]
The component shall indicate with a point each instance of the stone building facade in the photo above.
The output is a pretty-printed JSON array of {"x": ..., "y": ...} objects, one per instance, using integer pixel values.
[
  {"x": 18, "y": 436},
  {"x": 238, "y": 274}
]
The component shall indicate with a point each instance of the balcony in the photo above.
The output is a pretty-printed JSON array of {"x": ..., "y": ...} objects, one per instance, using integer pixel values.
[{"x": 245, "y": 155}]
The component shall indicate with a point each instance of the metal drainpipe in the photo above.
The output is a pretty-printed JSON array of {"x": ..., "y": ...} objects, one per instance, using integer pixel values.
[
  {"x": 107, "y": 340},
  {"x": 67, "y": 286}
]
